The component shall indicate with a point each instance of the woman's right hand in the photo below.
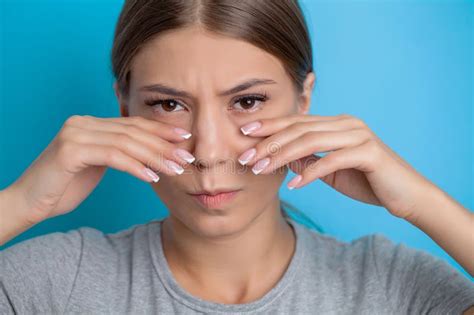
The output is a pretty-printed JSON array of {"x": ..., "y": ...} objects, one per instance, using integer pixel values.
[{"x": 72, "y": 165}]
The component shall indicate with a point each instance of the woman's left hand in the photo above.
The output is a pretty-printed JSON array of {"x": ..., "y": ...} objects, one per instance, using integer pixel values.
[{"x": 358, "y": 164}]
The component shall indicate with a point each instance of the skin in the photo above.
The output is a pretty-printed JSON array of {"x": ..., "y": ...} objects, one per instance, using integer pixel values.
[{"x": 220, "y": 254}]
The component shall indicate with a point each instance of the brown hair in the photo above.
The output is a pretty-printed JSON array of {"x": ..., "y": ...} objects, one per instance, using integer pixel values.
[{"x": 276, "y": 26}]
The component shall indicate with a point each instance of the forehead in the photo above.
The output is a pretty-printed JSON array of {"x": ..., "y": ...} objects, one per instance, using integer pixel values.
[{"x": 189, "y": 55}]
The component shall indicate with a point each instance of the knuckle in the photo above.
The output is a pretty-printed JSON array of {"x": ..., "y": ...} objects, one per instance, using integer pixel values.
[
  {"x": 65, "y": 134},
  {"x": 80, "y": 137},
  {"x": 311, "y": 137},
  {"x": 364, "y": 133},
  {"x": 132, "y": 130},
  {"x": 359, "y": 122},
  {"x": 156, "y": 163},
  {"x": 123, "y": 139},
  {"x": 112, "y": 155},
  {"x": 295, "y": 117},
  {"x": 271, "y": 148},
  {"x": 284, "y": 154},
  {"x": 356, "y": 121},
  {"x": 137, "y": 119},
  {"x": 73, "y": 120},
  {"x": 298, "y": 127},
  {"x": 344, "y": 115},
  {"x": 332, "y": 159},
  {"x": 373, "y": 149},
  {"x": 152, "y": 164}
]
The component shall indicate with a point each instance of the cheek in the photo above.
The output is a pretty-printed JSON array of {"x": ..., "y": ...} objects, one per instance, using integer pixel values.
[{"x": 264, "y": 187}]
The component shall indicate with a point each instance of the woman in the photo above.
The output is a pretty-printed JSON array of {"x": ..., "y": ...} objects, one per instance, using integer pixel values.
[{"x": 214, "y": 99}]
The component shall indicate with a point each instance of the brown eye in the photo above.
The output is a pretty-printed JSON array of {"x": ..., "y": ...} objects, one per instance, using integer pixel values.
[
  {"x": 250, "y": 103},
  {"x": 247, "y": 103},
  {"x": 164, "y": 105},
  {"x": 169, "y": 105}
]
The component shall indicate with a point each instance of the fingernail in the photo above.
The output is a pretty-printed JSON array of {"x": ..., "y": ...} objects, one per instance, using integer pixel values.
[
  {"x": 260, "y": 165},
  {"x": 247, "y": 156},
  {"x": 183, "y": 133},
  {"x": 246, "y": 129},
  {"x": 185, "y": 155},
  {"x": 148, "y": 172},
  {"x": 174, "y": 167},
  {"x": 292, "y": 183}
]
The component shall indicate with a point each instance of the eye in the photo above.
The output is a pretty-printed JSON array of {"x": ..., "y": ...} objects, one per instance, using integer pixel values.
[
  {"x": 248, "y": 103},
  {"x": 162, "y": 105}
]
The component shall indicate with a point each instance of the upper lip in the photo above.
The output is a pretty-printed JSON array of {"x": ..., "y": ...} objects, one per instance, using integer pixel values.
[{"x": 213, "y": 192}]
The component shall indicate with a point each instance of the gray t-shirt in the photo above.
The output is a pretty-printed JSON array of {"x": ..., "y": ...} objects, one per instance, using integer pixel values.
[{"x": 88, "y": 272}]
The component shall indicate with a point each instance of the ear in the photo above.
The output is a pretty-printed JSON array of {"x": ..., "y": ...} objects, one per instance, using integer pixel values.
[
  {"x": 305, "y": 97},
  {"x": 121, "y": 101}
]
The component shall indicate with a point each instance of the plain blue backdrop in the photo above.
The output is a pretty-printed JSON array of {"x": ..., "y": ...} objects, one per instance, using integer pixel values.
[{"x": 405, "y": 68}]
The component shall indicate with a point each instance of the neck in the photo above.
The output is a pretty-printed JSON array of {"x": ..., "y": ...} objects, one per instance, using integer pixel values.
[{"x": 258, "y": 254}]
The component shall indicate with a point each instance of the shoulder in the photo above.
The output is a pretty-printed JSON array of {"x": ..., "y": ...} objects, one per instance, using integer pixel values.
[
  {"x": 409, "y": 278},
  {"x": 375, "y": 247},
  {"x": 65, "y": 250},
  {"x": 335, "y": 249},
  {"x": 38, "y": 273},
  {"x": 53, "y": 248}
]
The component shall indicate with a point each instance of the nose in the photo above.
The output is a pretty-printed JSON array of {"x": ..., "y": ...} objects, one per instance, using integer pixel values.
[{"x": 214, "y": 135}]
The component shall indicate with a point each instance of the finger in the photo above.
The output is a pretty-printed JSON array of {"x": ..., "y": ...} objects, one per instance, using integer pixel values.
[
  {"x": 298, "y": 166},
  {"x": 131, "y": 124},
  {"x": 158, "y": 144},
  {"x": 100, "y": 155},
  {"x": 270, "y": 126},
  {"x": 351, "y": 157},
  {"x": 309, "y": 143},
  {"x": 273, "y": 144},
  {"x": 158, "y": 157}
]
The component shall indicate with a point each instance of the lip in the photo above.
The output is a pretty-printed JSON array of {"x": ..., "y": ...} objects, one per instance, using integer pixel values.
[{"x": 215, "y": 198}]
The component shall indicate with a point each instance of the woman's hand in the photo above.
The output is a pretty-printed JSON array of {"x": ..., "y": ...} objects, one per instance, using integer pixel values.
[
  {"x": 358, "y": 165},
  {"x": 362, "y": 167},
  {"x": 72, "y": 165}
]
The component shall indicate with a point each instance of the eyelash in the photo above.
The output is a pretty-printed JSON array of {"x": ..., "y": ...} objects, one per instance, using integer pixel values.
[{"x": 152, "y": 101}]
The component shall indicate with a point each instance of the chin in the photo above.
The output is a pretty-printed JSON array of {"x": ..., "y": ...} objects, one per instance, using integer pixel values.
[{"x": 217, "y": 223}]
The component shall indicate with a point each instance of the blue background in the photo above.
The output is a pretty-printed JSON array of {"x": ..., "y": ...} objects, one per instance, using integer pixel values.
[{"x": 405, "y": 68}]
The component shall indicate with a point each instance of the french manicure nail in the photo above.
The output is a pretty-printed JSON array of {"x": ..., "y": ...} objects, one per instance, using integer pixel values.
[
  {"x": 175, "y": 167},
  {"x": 292, "y": 183},
  {"x": 185, "y": 155},
  {"x": 183, "y": 133},
  {"x": 154, "y": 177},
  {"x": 260, "y": 165},
  {"x": 247, "y": 156},
  {"x": 249, "y": 128}
]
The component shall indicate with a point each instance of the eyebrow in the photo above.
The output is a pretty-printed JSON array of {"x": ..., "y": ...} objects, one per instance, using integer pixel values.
[{"x": 161, "y": 88}]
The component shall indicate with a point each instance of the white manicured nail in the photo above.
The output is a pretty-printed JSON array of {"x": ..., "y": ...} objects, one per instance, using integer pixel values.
[
  {"x": 247, "y": 156},
  {"x": 154, "y": 177},
  {"x": 174, "y": 167},
  {"x": 185, "y": 155},
  {"x": 183, "y": 133},
  {"x": 292, "y": 183},
  {"x": 247, "y": 129},
  {"x": 260, "y": 165}
]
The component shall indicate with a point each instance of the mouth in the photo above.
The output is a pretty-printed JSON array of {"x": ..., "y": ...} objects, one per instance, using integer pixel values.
[{"x": 215, "y": 198}]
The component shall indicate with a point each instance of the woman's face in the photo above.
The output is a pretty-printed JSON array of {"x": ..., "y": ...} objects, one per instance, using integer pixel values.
[{"x": 204, "y": 65}]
